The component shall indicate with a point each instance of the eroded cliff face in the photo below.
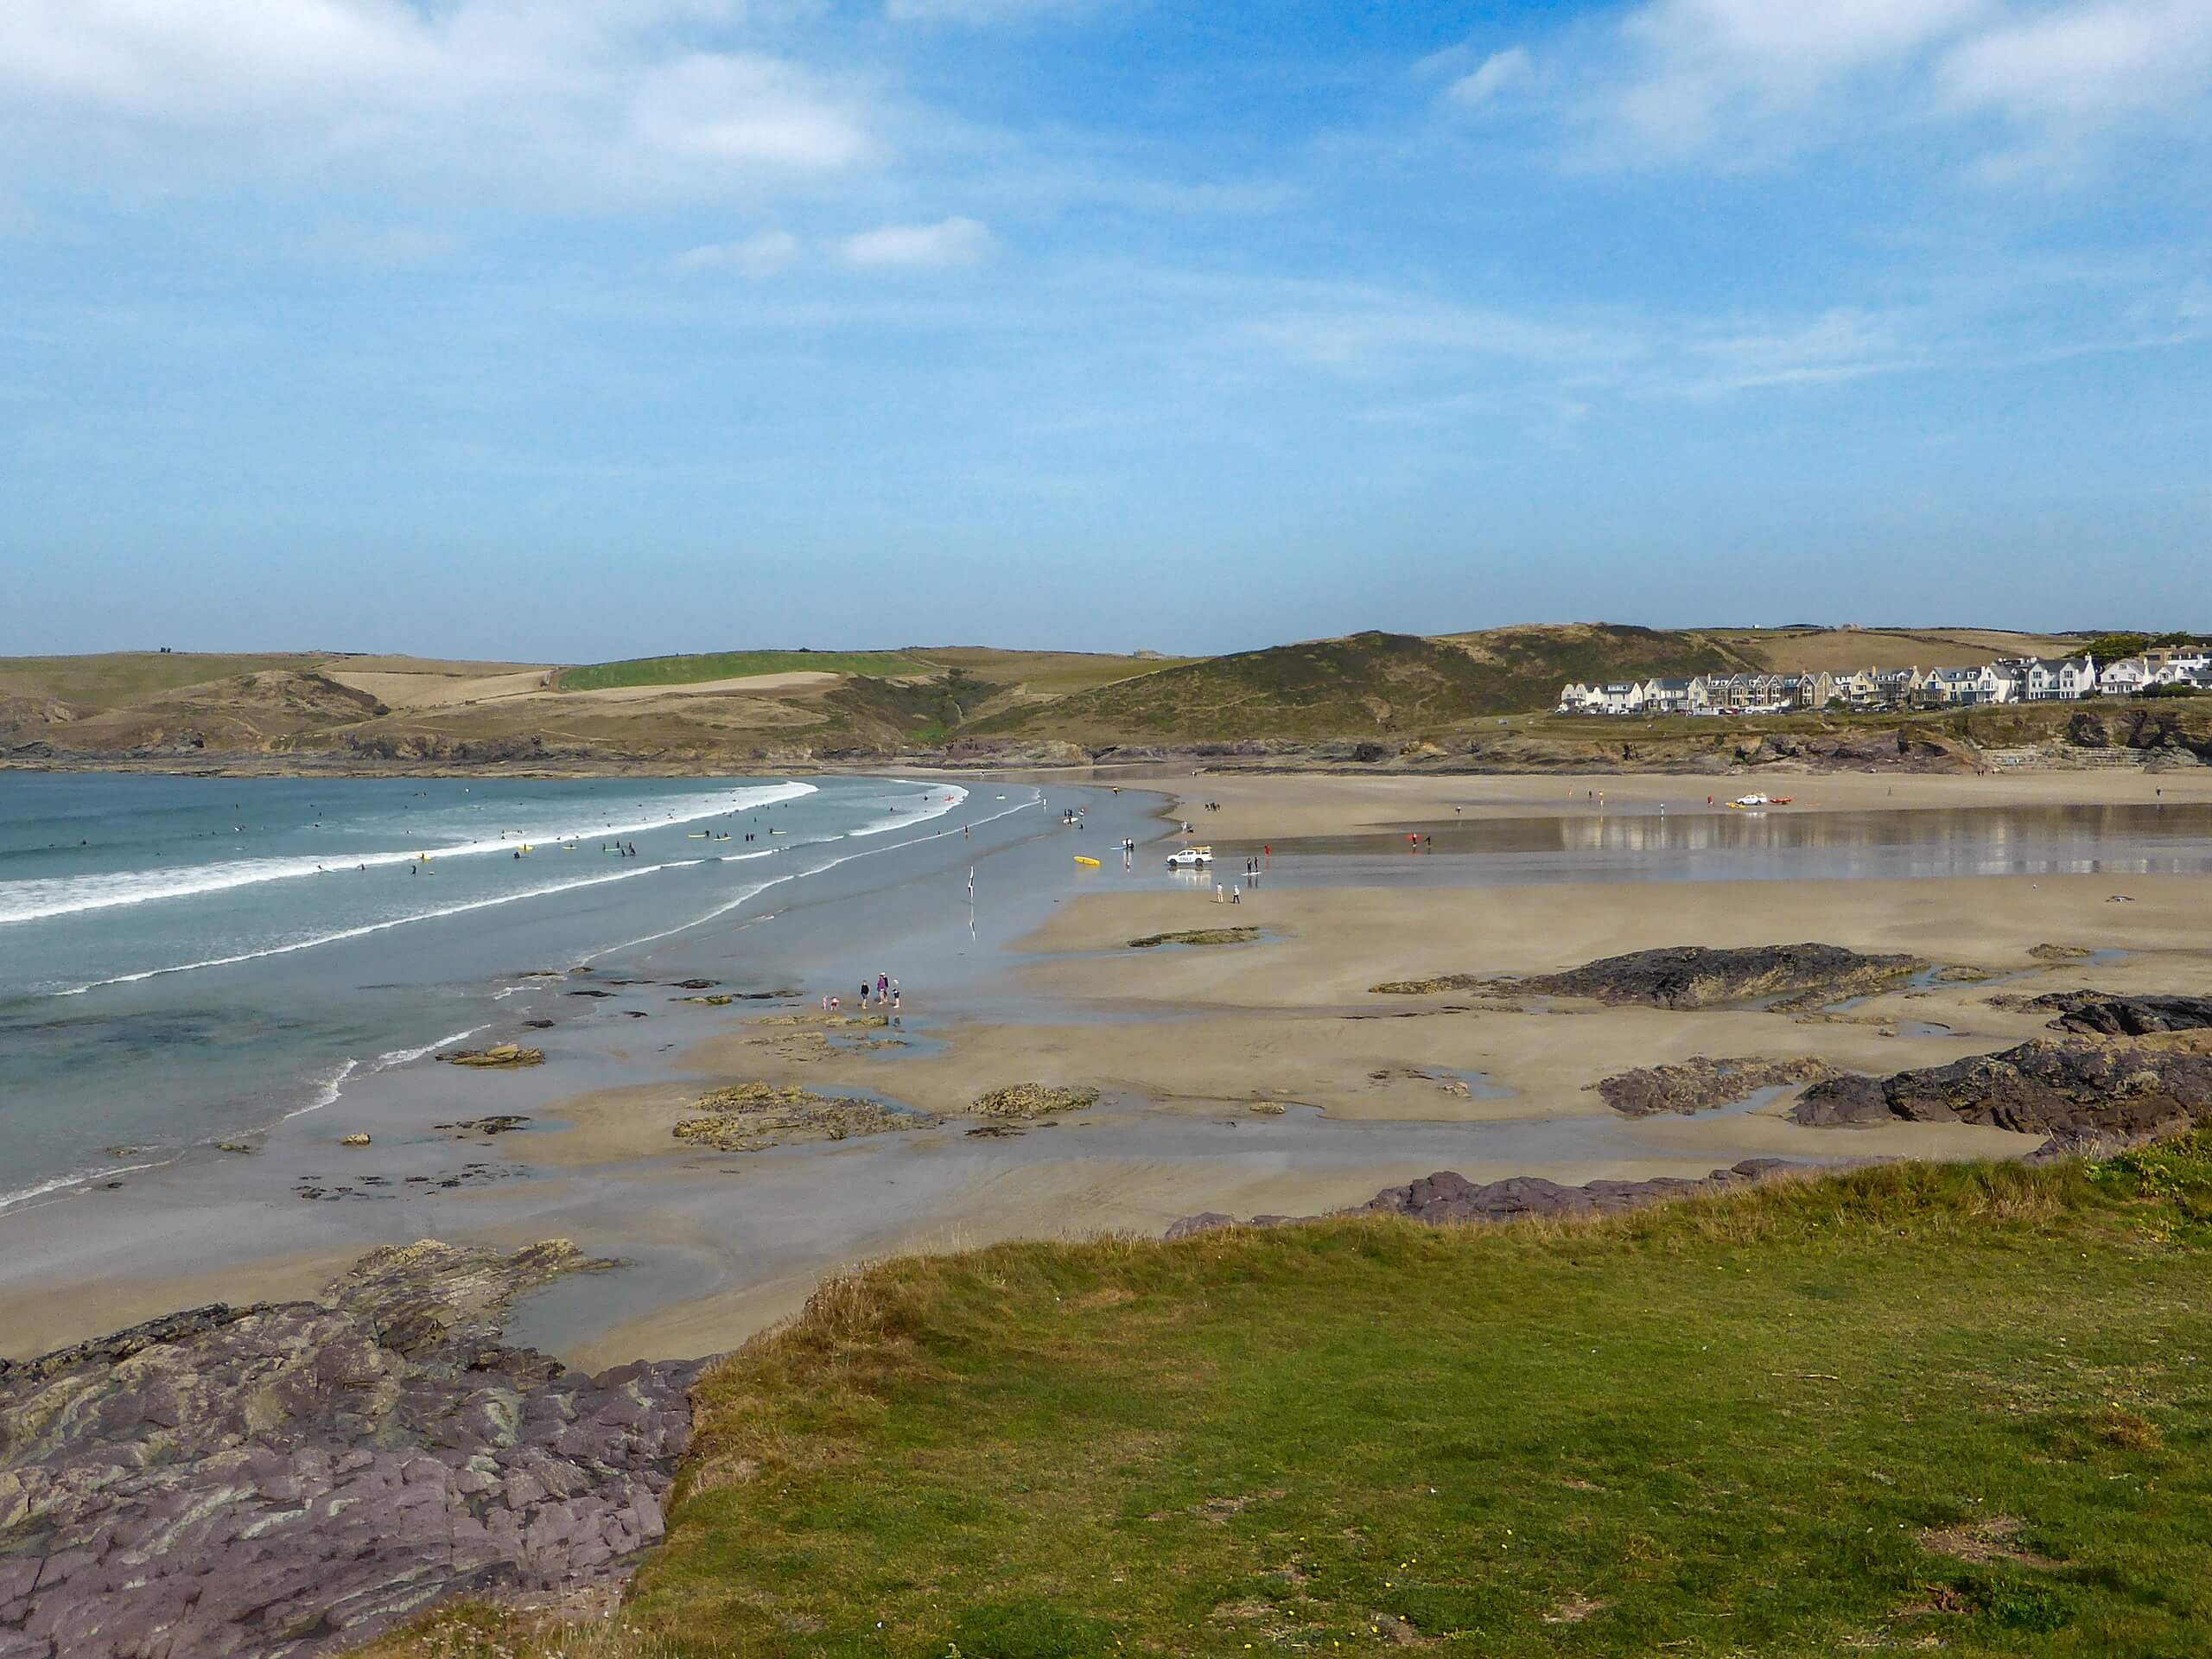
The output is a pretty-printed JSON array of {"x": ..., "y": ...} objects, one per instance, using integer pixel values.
[{"x": 290, "y": 1478}]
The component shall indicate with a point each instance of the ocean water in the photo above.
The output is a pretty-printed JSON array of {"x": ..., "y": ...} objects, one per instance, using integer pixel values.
[{"x": 183, "y": 959}]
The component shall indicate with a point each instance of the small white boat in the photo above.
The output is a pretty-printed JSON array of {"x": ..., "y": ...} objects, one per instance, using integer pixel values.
[{"x": 1190, "y": 858}]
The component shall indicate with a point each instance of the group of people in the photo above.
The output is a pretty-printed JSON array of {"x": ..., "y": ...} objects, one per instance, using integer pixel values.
[{"x": 885, "y": 991}]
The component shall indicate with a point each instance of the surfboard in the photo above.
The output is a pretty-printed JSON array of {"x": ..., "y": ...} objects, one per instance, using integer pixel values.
[{"x": 1088, "y": 863}]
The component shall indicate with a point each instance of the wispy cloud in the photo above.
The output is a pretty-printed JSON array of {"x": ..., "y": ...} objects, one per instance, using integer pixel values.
[
  {"x": 762, "y": 254},
  {"x": 1742, "y": 83},
  {"x": 949, "y": 242},
  {"x": 1368, "y": 332},
  {"x": 1497, "y": 73},
  {"x": 621, "y": 95}
]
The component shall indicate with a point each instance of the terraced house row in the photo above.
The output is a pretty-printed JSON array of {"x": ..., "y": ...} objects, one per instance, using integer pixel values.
[{"x": 2012, "y": 679}]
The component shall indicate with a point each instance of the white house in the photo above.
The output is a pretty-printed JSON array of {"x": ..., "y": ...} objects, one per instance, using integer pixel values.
[
  {"x": 1668, "y": 696},
  {"x": 1621, "y": 697},
  {"x": 1967, "y": 688},
  {"x": 2126, "y": 677},
  {"x": 2065, "y": 681}
]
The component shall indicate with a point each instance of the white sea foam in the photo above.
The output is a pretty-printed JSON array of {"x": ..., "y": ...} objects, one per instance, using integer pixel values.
[
  {"x": 934, "y": 805},
  {"x": 822, "y": 869},
  {"x": 361, "y": 931},
  {"x": 392, "y": 1057},
  {"x": 63, "y": 1183},
  {"x": 327, "y": 1089},
  {"x": 36, "y": 900}
]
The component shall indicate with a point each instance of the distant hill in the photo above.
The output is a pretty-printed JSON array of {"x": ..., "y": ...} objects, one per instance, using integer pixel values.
[
  {"x": 771, "y": 708},
  {"x": 1366, "y": 684}
]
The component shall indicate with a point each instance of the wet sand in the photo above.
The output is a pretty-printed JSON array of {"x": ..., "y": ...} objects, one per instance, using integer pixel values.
[
  {"x": 1183, "y": 1041},
  {"x": 1257, "y": 805}
]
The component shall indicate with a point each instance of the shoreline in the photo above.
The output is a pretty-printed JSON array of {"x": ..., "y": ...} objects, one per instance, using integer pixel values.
[{"x": 1185, "y": 1041}]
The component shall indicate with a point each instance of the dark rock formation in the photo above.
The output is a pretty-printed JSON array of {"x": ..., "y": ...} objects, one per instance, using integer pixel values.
[
  {"x": 1445, "y": 1197},
  {"x": 2103, "y": 1014},
  {"x": 1699, "y": 1085},
  {"x": 1698, "y": 977},
  {"x": 290, "y": 1478},
  {"x": 2077, "y": 1092}
]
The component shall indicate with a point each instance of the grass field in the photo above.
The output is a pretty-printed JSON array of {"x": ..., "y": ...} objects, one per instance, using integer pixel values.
[
  {"x": 118, "y": 679},
  {"x": 1961, "y": 1406},
  {"x": 736, "y": 665}
]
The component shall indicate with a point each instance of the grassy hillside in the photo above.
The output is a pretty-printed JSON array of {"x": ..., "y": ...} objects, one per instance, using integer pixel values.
[
  {"x": 1815, "y": 650},
  {"x": 1368, "y": 685},
  {"x": 1960, "y": 1407},
  {"x": 734, "y": 665},
  {"x": 115, "y": 678},
  {"x": 1479, "y": 694}
]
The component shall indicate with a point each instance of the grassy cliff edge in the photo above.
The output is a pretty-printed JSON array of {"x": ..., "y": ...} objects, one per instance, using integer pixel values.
[{"x": 1965, "y": 1406}]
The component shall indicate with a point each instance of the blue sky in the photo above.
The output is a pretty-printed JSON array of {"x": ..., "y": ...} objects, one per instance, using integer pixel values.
[{"x": 582, "y": 328}]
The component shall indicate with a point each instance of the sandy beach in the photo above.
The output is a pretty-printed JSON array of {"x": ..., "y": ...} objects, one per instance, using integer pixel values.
[{"x": 1262, "y": 1077}]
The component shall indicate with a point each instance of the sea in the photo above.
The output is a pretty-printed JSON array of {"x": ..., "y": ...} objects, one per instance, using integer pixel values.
[{"x": 187, "y": 959}]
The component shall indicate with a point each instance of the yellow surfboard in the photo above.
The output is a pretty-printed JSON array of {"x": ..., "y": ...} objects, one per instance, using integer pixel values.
[{"x": 1088, "y": 863}]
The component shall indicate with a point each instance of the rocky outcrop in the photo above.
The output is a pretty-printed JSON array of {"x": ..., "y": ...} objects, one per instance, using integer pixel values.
[
  {"x": 2076, "y": 1092},
  {"x": 2102, "y": 1013},
  {"x": 290, "y": 1478},
  {"x": 754, "y": 1115},
  {"x": 1449, "y": 1197},
  {"x": 1033, "y": 1100},
  {"x": 1198, "y": 936},
  {"x": 1699, "y": 1085},
  {"x": 1698, "y": 977},
  {"x": 1435, "y": 985},
  {"x": 499, "y": 1056}
]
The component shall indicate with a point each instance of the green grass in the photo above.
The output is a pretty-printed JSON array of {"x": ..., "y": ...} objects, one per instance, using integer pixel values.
[
  {"x": 1959, "y": 1405},
  {"x": 1366, "y": 685},
  {"x": 736, "y": 665},
  {"x": 111, "y": 679}
]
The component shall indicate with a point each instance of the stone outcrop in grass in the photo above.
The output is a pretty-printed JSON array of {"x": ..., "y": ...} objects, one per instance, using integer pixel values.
[
  {"x": 288, "y": 1479},
  {"x": 1699, "y": 976},
  {"x": 1700, "y": 1084},
  {"x": 1447, "y": 1197}
]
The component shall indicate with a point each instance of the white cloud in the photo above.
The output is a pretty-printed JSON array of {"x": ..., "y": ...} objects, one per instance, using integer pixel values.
[
  {"x": 1702, "y": 72},
  {"x": 1746, "y": 82},
  {"x": 762, "y": 254},
  {"x": 621, "y": 94},
  {"x": 949, "y": 242},
  {"x": 2086, "y": 61},
  {"x": 1498, "y": 72}
]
